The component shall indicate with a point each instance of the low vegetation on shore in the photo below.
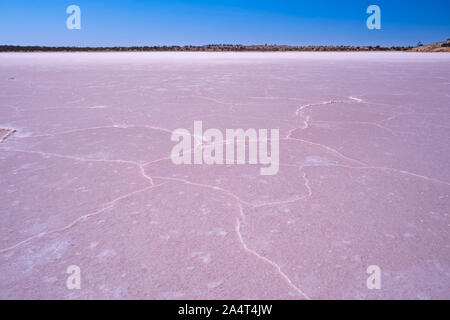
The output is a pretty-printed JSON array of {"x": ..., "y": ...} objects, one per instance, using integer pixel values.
[
  {"x": 435, "y": 47},
  {"x": 443, "y": 46}
]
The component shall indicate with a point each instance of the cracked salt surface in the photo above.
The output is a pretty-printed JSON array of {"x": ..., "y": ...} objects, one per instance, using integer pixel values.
[{"x": 363, "y": 177}]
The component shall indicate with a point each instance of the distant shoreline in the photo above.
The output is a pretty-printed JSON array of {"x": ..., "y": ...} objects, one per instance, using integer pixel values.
[
  {"x": 443, "y": 46},
  {"x": 205, "y": 48}
]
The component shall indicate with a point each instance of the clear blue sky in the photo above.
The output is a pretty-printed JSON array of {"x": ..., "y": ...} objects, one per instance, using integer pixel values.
[{"x": 197, "y": 22}]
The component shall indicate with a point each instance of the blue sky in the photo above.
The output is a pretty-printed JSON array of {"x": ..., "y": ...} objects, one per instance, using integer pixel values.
[{"x": 198, "y": 22}]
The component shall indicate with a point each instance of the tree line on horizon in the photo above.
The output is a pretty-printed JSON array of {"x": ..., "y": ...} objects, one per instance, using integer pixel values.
[{"x": 206, "y": 48}]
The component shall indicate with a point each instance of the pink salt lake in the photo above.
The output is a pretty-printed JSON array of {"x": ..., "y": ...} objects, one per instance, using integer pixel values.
[{"x": 86, "y": 179}]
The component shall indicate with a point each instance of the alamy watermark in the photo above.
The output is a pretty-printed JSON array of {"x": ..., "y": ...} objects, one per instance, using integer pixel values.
[
  {"x": 209, "y": 147},
  {"x": 73, "y": 22},
  {"x": 374, "y": 20},
  {"x": 374, "y": 280},
  {"x": 73, "y": 281}
]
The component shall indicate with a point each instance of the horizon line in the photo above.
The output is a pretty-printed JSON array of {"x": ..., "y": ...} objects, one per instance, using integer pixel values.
[{"x": 207, "y": 47}]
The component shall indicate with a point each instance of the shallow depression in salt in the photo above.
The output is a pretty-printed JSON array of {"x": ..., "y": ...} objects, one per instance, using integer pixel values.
[{"x": 87, "y": 180}]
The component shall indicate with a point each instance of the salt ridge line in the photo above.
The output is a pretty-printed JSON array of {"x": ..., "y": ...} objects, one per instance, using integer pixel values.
[
  {"x": 105, "y": 207},
  {"x": 296, "y": 199},
  {"x": 417, "y": 114},
  {"x": 373, "y": 168},
  {"x": 276, "y": 266},
  {"x": 327, "y": 148},
  {"x": 299, "y": 111},
  {"x": 365, "y": 165},
  {"x": 49, "y": 154},
  {"x": 56, "y": 155},
  {"x": 350, "y": 99},
  {"x": 205, "y": 186},
  {"x": 114, "y": 126},
  {"x": 276, "y": 203},
  {"x": 357, "y": 100},
  {"x": 306, "y": 121},
  {"x": 221, "y": 115},
  {"x": 307, "y": 185},
  {"x": 399, "y": 171}
]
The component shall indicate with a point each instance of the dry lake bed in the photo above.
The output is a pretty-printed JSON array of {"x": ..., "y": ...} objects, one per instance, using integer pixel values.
[{"x": 87, "y": 179}]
